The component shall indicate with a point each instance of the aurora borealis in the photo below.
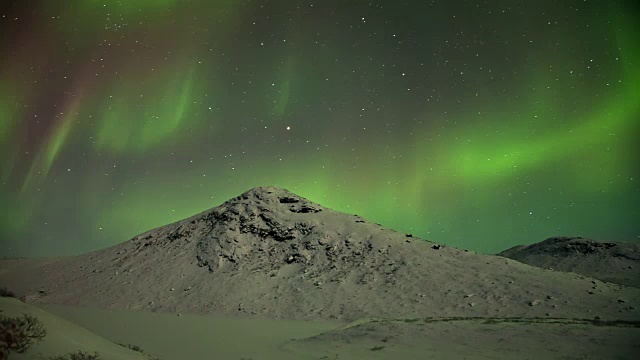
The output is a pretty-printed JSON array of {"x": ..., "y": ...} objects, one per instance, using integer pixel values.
[{"x": 478, "y": 124}]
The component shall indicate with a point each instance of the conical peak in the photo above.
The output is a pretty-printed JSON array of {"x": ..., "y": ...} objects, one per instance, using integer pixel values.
[{"x": 261, "y": 220}]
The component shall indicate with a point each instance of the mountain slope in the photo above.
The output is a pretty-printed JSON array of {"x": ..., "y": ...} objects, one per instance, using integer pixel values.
[
  {"x": 616, "y": 262},
  {"x": 271, "y": 253}
]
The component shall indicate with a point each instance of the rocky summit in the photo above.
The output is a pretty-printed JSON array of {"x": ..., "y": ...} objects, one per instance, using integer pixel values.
[{"x": 272, "y": 253}]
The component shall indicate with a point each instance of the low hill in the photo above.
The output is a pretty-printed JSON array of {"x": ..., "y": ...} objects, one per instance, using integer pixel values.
[{"x": 615, "y": 262}]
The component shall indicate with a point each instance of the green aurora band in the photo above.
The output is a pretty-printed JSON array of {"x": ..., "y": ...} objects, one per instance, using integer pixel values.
[{"x": 149, "y": 146}]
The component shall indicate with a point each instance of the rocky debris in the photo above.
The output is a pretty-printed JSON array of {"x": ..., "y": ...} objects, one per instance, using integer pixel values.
[
  {"x": 179, "y": 233},
  {"x": 587, "y": 247},
  {"x": 534, "y": 302},
  {"x": 240, "y": 228}
]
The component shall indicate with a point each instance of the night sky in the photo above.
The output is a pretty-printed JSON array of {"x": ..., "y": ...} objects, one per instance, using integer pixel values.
[{"x": 478, "y": 124}]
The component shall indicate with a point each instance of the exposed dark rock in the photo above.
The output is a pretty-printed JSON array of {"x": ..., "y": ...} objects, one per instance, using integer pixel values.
[{"x": 288, "y": 200}]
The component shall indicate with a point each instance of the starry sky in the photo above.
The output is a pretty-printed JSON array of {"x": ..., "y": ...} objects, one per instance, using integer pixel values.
[{"x": 477, "y": 124}]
